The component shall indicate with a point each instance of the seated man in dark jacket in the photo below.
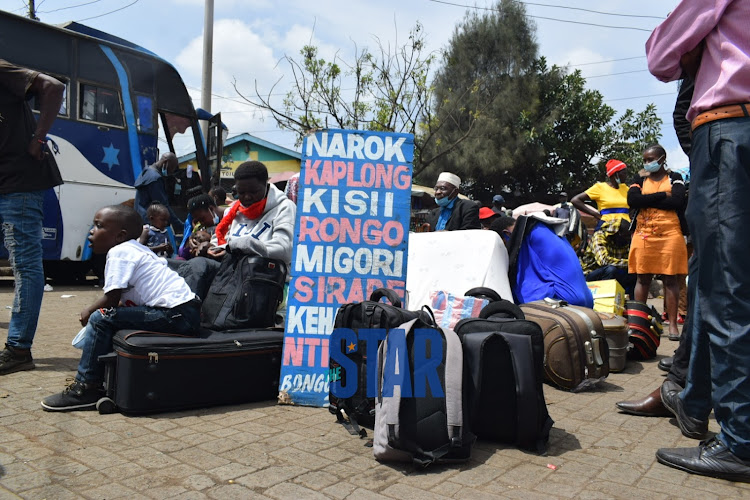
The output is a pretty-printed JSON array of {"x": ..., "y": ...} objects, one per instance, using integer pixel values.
[{"x": 453, "y": 213}]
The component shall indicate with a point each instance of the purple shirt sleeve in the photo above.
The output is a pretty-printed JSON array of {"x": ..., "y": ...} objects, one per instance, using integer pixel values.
[{"x": 688, "y": 24}]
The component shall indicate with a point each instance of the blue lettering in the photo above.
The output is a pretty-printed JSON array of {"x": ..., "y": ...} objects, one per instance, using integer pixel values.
[
  {"x": 396, "y": 370},
  {"x": 373, "y": 338},
  {"x": 343, "y": 342},
  {"x": 240, "y": 229},
  {"x": 266, "y": 225},
  {"x": 425, "y": 368}
]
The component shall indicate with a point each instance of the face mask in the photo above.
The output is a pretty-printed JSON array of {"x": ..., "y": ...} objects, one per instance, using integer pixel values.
[
  {"x": 443, "y": 202},
  {"x": 164, "y": 172},
  {"x": 652, "y": 167},
  {"x": 616, "y": 182},
  {"x": 216, "y": 219}
]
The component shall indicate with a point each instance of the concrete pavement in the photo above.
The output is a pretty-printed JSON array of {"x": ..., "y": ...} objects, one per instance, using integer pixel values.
[{"x": 268, "y": 451}]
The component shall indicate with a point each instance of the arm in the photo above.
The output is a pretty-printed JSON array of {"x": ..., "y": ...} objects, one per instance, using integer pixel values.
[
  {"x": 157, "y": 192},
  {"x": 638, "y": 200},
  {"x": 578, "y": 202},
  {"x": 676, "y": 200},
  {"x": 681, "y": 32},
  {"x": 143, "y": 238},
  {"x": 50, "y": 93},
  {"x": 108, "y": 300}
]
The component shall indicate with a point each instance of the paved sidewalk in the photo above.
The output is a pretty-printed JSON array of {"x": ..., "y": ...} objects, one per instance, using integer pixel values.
[{"x": 270, "y": 451}]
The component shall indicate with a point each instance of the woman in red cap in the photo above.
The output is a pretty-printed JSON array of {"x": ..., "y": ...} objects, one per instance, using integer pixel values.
[{"x": 611, "y": 197}]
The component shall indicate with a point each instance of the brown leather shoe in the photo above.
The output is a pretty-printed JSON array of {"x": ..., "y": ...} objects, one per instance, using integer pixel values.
[{"x": 650, "y": 406}]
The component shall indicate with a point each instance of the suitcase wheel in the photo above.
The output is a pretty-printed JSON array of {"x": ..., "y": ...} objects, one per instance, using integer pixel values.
[{"x": 105, "y": 406}]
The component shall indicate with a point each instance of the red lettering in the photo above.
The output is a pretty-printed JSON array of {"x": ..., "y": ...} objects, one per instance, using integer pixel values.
[
  {"x": 339, "y": 170},
  {"x": 303, "y": 288},
  {"x": 293, "y": 352},
  {"x": 369, "y": 236},
  {"x": 398, "y": 286},
  {"x": 312, "y": 343},
  {"x": 308, "y": 226},
  {"x": 402, "y": 177},
  {"x": 335, "y": 290},
  {"x": 324, "y": 353},
  {"x": 372, "y": 284},
  {"x": 311, "y": 172},
  {"x": 383, "y": 175},
  {"x": 329, "y": 229},
  {"x": 398, "y": 238},
  {"x": 349, "y": 232}
]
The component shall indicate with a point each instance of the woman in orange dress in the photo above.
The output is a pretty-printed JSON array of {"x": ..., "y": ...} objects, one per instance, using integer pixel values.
[{"x": 658, "y": 245}]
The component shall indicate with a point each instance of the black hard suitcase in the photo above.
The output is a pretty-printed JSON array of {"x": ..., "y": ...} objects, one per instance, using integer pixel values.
[{"x": 151, "y": 372}]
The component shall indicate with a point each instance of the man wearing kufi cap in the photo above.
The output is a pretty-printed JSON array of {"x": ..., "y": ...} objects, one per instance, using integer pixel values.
[
  {"x": 611, "y": 197},
  {"x": 453, "y": 213}
]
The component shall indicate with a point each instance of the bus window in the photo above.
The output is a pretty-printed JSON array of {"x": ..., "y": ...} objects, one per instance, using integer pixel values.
[
  {"x": 145, "y": 114},
  {"x": 34, "y": 102},
  {"x": 100, "y": 105}
]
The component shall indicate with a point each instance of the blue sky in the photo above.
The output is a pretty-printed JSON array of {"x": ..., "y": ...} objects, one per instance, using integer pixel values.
[{"x": 251, "y": 37}]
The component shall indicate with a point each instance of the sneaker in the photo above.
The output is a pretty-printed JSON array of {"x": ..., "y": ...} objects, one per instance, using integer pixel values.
[
  {"x": 681, "y": 319},
  {"x": 15, "y": 360},
  {"x": 77, "y": 396}
]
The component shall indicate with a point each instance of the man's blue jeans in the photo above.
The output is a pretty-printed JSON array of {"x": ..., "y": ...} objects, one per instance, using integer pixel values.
[
  {"x": 21, "y": 217},
  {"x": 718, "y": 213},
  {"x": 104, "y": 323}
]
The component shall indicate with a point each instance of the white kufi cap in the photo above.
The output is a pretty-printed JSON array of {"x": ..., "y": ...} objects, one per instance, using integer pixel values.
[{"x": 450, "y": 178}]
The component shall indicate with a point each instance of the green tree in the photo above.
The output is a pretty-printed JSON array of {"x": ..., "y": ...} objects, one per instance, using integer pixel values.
[
  {"x": 386, "y": 90},
  {"x": 487, "y": 68},
  {"x": 538, "y": 130},
  {"x": 565, "y": 131},
  {"x": 630, "y": 134}
]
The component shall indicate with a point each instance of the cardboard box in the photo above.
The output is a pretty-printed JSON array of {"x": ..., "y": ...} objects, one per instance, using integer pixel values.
[{"x": 609, "y": 296}]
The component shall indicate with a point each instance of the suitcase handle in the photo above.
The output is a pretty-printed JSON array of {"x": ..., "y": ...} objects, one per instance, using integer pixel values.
[
  {"x": 504, "y": 307},
  {"x": 392, "y": 297},
  {"x": 483, "y": 292}
]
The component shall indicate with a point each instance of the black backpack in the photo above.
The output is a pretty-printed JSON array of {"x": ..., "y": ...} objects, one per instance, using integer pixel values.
[
  {"x": 245, "y": 293},
  {"x": 359, "y": 409},
  {"x": 504, "y": 358}
]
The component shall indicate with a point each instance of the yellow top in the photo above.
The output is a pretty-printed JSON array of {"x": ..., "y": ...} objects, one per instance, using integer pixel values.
[{"x": 607, "y": 197}]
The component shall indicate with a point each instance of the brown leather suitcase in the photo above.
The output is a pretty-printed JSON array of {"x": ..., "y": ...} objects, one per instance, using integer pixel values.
[
  {"x": 576, "y": 354},
  {"x": 616, "y": 333}
]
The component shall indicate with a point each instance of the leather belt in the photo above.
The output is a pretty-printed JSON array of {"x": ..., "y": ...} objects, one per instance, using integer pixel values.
[{"x": 731, "y": 111}]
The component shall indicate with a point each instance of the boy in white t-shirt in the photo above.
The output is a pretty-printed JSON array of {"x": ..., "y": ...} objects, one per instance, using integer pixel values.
[{"x": 140, "y": 292}]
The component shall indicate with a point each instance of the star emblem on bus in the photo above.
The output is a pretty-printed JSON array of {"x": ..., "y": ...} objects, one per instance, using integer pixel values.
[{"x": 110, "y": 156}]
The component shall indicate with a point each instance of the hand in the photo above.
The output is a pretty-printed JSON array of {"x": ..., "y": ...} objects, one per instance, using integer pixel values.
[
  {"x": 691, "y": 61},
  {"x": 216, "y": 253},
  {"x": 35, "y": 149},
  {"x": 84, "y": 317}
]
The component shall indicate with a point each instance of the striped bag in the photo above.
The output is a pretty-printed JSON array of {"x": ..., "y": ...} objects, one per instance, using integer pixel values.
[
  {"x": 644, "y": 330},
  {"x": 449, "y": 309}
]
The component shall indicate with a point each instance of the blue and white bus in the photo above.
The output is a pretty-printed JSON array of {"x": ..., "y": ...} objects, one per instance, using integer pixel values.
[{"x": 106, "y": 130}]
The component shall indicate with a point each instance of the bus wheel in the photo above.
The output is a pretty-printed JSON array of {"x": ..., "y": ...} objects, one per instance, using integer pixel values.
[{"x": 66, "y": 272}]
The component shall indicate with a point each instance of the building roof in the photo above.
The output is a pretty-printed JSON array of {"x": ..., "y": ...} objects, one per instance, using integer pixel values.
[{"x": 255, "y": 140}]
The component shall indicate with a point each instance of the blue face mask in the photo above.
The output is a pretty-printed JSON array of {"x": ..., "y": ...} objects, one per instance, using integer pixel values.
[
  {"x": 216, "y": 219},
  {"x": 443, "y": 202},
  {"x": 652, "y": 167}
]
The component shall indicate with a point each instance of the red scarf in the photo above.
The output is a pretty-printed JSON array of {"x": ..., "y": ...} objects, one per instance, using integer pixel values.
[{"x": 252, "y": 212}]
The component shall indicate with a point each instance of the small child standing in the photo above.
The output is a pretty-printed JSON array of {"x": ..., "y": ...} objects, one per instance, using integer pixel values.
[
  {"x": 155, "y": 233},
  {"x": 140, "y": 292}
]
